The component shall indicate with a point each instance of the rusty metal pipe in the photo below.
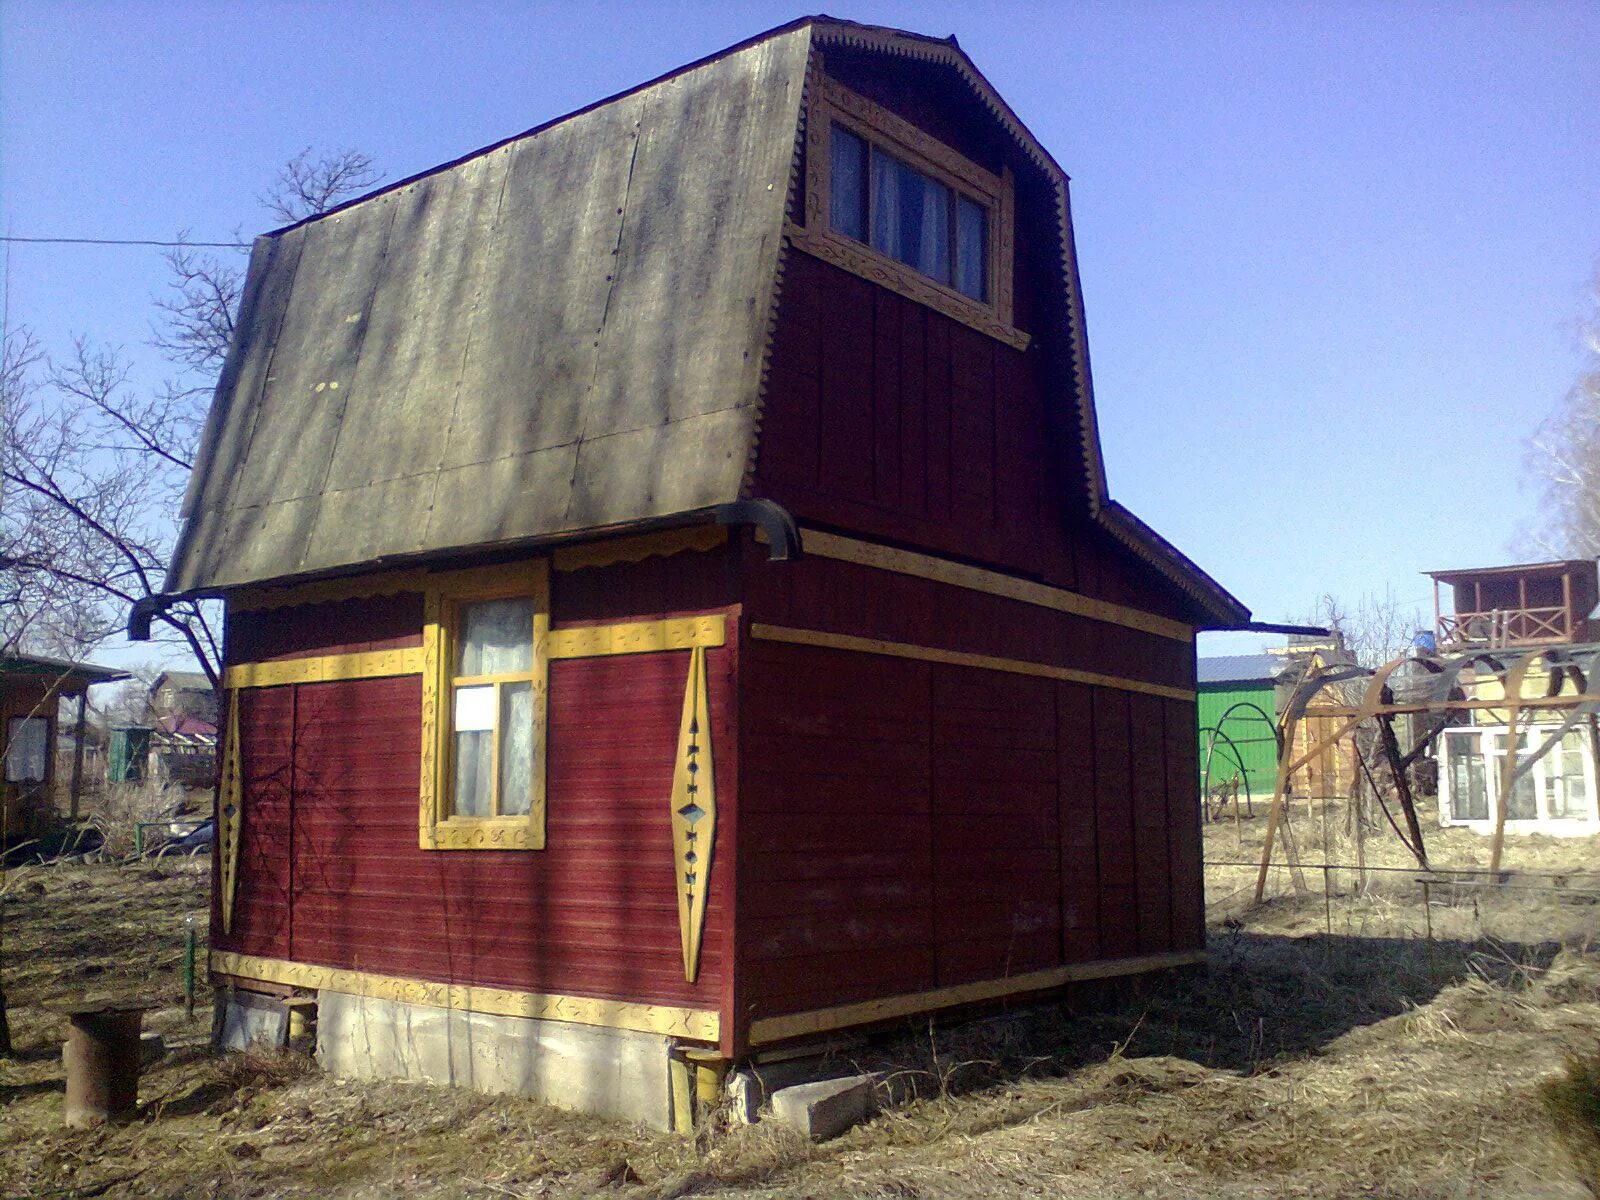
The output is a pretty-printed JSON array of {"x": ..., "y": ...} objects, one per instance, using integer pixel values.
[{"x": 101, "y": 1056}]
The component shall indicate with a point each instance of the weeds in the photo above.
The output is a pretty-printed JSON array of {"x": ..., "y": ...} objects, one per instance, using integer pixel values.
[{"x": 1572, "y": 1103}]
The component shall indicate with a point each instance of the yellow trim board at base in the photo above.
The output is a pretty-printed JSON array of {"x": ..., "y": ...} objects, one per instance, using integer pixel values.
[
  {"x": 960, "y": 658},
  {"x": 324, "y": 668},
  {"x": 766, "y": 1030},
  {"x": 993, "y": 583},
  {"x": 697, "y": 1024}
]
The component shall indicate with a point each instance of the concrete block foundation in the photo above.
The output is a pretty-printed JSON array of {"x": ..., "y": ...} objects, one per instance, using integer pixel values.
[
  {"x": 826, "y": 1108},
  {"x": 612, "y": 1072}
]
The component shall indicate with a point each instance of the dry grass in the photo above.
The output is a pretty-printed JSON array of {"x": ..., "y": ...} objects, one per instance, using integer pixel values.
[
  {"x": 1295, "y": 1064},
  {"x": 1572, "y": 1102}
]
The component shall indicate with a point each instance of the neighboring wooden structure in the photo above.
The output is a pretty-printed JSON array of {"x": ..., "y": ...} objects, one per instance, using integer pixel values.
[
  {"x": 31, "y": 691},
  {"x": 1526, "y": 604},
  {"x": 1512, "y": 608},
  {"x": 671, "y": 589}
]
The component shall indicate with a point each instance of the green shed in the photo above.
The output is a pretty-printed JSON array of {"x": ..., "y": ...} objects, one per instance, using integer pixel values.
[
  {"x": 129, "y": 751},
  {"x": 1236, "y": 707}
]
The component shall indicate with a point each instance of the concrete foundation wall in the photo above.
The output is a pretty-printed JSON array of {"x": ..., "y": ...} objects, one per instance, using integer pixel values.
[{"x": 611, "y": 1072}]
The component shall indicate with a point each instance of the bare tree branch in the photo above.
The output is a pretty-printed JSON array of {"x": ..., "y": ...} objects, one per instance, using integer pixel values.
[
  {"x": 92, "y": 469},
  {"x": 1563, "y": 456},
  {"x": 307, "y": 186}
]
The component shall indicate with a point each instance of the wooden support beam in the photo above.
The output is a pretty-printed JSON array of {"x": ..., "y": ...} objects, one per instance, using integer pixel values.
[
  {"x": 75, "y": 787},
  {"x": 1402, "y": 784}
]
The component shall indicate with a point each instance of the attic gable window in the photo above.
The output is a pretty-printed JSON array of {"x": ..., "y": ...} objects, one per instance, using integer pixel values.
[
  {"x": 908, "y": 215},
  {"x": 887, "y": 201}
]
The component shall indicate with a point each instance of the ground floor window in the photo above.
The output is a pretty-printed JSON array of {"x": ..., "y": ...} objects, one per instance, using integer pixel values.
[{"x": 484, "y": 685}]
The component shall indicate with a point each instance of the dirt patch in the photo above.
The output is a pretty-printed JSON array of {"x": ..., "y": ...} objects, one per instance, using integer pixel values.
[{"x": 1296, "y": 1063}]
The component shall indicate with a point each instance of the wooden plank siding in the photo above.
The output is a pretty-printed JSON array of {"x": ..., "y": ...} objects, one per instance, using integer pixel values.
[
  {"x": 330, "y": 869},
  {"x": 891, "y": 420},
  {"x": 908, "y": 825}
]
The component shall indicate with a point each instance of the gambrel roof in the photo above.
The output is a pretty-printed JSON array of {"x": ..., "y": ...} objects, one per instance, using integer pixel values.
[{"x": 560, "y": 334}]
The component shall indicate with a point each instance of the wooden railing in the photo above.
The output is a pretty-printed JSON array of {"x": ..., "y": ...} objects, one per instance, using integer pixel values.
[{"x": 1506, "y": 627}]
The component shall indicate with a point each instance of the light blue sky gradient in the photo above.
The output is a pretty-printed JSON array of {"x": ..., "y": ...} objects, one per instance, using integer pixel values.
[{"x": 1333, "y": 254}]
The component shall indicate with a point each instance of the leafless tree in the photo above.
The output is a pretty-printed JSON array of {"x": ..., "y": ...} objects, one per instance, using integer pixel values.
[
  {"x": 36, "y": 612},
  {"x": 1374, "y": 630},
  {"x": 308, "y": 185},
  {"x": 93, "y": 469},
  {"x": 1563, "y": 458}
]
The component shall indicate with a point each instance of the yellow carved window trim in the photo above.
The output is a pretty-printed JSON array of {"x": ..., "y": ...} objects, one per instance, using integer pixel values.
[
  {"x": 830, "y": 102},
  {"x": 446, "y": 597}
]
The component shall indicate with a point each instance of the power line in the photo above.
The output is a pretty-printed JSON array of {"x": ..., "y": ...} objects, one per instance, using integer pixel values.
[{"x": 66, "y": 241}]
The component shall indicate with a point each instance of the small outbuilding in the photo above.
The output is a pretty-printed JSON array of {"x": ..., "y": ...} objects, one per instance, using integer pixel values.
[
  {"x": 674, "y": 608},
  {"x": 32, "y": 688},
  {"x": 1237, "y": 708}
]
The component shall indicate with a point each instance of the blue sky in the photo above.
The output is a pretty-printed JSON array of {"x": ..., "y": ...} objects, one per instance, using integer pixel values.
[{"x": 1333, "y": 254}]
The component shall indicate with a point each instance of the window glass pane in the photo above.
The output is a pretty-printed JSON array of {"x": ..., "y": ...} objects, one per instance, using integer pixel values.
[
  {"x": 27, "y": 748},
  {"x": 847, "y": 189},
  {"x": 1566, "y": 787},
  {"x": 496, "y": 637},
  {"x": 1524, "y": 804},
  {"x": 474, "y": 733},
  {"x": 972, "y": 249},
  {"x": 1469, "y": 799},
  {"x": 910, "y": 216},
  {"x": 516, "y": 749}
]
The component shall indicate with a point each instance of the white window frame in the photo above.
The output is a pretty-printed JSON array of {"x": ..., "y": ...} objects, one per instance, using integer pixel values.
[{"x": 1542, "y": 823}]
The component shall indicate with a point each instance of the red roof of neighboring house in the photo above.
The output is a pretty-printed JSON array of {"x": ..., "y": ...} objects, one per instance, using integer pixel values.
[{"x": 186, "y": 726}]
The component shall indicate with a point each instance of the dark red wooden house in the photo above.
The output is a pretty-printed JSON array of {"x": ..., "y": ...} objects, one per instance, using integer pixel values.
[{"x": 673, "y": 604}]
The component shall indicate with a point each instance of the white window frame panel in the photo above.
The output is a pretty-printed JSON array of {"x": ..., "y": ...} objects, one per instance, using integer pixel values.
[{"x": 1541, "y": 773}]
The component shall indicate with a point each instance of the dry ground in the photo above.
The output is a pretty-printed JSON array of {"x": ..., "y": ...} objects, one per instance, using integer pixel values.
[{"x": 1296, "y": 1064}]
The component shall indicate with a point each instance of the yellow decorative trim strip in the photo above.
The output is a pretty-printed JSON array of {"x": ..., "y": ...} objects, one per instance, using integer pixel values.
[
  {"x": 694, "y": 813},
  {"x": 639, "y": 548},
  {"x": 230, "y": 813},
  {"x": 698, "y": 1024},
  {"x": 324, "y": 591},
  {"x": 853, "y": 256},
  {"x": 779, "y": 1029},
  {"x": 638, "y": 637},
  {"x": 483, "y": 833},
  {"x": 959, "y": 658},
  {"x": 978, "y": 579},
  {"x": 369, "y": 664}
]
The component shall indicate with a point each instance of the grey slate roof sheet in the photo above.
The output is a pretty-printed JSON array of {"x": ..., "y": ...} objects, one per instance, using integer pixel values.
[
  {"x": 557, "y": 334},
  {"x": 1238, "y": 668}
]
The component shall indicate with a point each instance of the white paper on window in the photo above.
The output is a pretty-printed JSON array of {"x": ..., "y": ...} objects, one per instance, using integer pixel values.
[
  {"x": 474, "y": 708},
  {"x": 1566, "y": 786},
  {"x": 1469, "y": 798}
]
